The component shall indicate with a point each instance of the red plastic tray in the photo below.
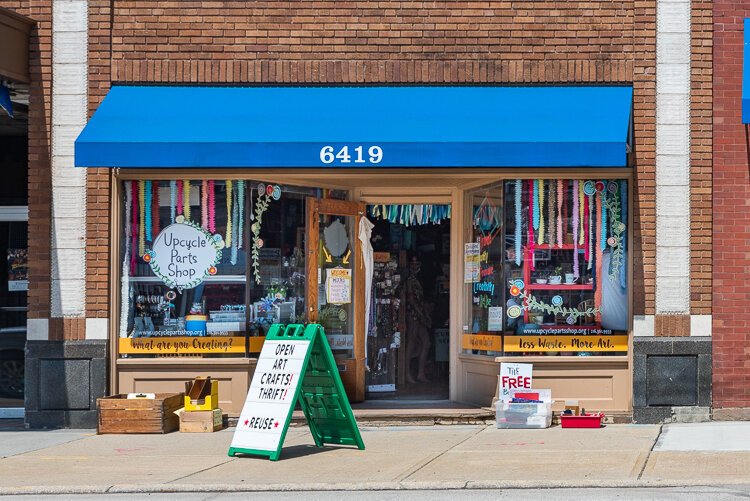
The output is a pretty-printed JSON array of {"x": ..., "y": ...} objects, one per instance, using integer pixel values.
[{"x": 585, "y": 421}]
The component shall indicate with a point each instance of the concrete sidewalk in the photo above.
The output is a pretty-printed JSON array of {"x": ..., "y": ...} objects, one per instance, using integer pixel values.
[{"x": 408, "y": 457}]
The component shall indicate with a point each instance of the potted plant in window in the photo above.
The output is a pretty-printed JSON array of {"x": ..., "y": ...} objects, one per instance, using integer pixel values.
[{"x": 556, "y": 277}]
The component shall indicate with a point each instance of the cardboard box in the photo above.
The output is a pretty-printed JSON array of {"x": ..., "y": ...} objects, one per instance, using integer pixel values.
[{"x": 201, "y": 421}]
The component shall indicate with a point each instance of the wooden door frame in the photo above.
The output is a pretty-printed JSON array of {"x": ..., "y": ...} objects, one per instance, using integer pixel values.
[{"x": 353, "y": 374}]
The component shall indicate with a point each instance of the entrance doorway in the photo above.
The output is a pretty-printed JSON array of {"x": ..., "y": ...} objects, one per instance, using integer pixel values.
[
  {"x": 407, "y": 334},
  {"x": 14, "y": 282}
]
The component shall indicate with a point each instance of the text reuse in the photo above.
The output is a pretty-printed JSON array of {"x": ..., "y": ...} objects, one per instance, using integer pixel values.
[{"x": 271, "y": 395}]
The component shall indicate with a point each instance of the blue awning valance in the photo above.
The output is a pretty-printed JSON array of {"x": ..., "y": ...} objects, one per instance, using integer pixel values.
[{"x": 358, "y": 127}]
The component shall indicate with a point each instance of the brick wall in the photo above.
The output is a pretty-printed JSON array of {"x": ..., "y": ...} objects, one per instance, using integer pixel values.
[
  {"x": 701, "y": 144},
  {"x": 731, "y": 230},
  {"x": 40, "y": 189},
  {"x": 98, "y": 189}
]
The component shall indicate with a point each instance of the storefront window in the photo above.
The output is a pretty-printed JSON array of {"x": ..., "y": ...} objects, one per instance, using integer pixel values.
[
  {"x": 546, "y": 264},
  {"x": 209, "y": 265}
]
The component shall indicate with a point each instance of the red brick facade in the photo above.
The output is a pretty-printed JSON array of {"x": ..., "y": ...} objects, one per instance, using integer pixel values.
[
  {"x": 384, "y": 42},
  {"x": 468, "y": 42},
  {"x": 731, "y": 230},
  {"x": 701, "y": 150}
]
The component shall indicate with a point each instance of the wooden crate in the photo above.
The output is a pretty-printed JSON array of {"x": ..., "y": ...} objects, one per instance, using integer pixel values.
[
  {"x": 117, "y": 414},
  {"x": 201, "y": 421}
]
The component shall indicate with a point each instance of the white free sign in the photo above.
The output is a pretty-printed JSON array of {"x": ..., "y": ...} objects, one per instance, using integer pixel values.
[
  {"x": 183, "y": 255},
  {"x": 514, "y": 376},
  {"x": 271, "y": 396}
]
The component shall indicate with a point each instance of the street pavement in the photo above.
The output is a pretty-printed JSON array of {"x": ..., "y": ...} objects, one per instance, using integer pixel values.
[
  {"x": 570, "y": 494},
  {"x": 397, "y": 459}
]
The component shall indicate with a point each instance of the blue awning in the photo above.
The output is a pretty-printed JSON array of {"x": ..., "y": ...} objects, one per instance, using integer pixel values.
[
  {"x": 358, "y": 127},
  {"x": 746, "y": 76}
]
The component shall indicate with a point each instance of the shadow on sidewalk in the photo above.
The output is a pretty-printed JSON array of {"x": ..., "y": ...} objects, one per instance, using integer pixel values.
[{"x": 298, "y": 451}]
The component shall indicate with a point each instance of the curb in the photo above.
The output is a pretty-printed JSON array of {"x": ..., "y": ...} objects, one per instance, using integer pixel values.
[{"x": 363, "y": 486}]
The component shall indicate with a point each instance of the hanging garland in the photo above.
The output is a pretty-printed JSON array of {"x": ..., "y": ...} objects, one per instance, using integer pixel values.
[
  {"x": 599, "y": 251},
  {"x": 204, "y": 204},
  {"x": 235, "y": 221},
  {"x": 186, "y": 200},
  {"x": 581, "y": 230},
  {"x": 551, "y": 206},
  {"x": 212, "y": 207},
  {"x": 623, "y": 219},
  {"x": 540, "y": 194},
  {"x": 576, "y": 270},
  {"x": 530, "y": 235},
  {"x": 590, "y": 231},
  {"x": 155, "y": 223},
  {"x": 560, "y": 197},
  {"x": 265, "y": 194},
  {"x": 180, "y": 203},
  {"x": 531, "y": 303},
  {"x": 134, "y": 246},
  {"x": 241, "y": 207},
  {"x": 535, "y": 203},
  {"x": 410, "y": 214},
  {"x": 172, "y": 200},
  {"x": 617, "y": 229},
  {"x": 142, "y": 218},
  {"x": 125, "y": 284},
  {"x": 147, "y": 206},
  {"x": 518, "y": 228},
  {"x": 228, "y": 238}
]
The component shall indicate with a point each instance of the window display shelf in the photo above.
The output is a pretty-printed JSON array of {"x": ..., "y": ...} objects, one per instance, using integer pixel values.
[
  {"x": 561, "y": 287},
  {"x": 222, "y": 279}
]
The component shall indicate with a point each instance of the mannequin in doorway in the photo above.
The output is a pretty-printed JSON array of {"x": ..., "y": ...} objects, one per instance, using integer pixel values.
[{"x": 418, "y": 322}]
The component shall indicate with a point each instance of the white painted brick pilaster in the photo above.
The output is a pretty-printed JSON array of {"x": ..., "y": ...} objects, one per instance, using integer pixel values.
[
  {"x": 672, "y": 157},
  {"x": 69, "y": 106}
]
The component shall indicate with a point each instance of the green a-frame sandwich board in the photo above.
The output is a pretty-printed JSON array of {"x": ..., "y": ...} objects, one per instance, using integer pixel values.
[{"x": 295, "y": 365}]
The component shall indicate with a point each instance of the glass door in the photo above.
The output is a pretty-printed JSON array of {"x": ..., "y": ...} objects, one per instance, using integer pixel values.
[{"x": 335, "y": 285}]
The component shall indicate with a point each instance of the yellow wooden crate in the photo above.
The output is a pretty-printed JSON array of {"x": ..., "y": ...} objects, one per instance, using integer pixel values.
[{"x": 209, "y": 401}]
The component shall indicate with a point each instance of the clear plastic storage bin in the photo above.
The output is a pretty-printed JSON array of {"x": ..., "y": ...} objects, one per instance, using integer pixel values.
[{"x": 532, "y": 415}]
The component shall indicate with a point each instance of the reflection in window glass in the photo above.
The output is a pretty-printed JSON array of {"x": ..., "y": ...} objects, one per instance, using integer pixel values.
[{"x": 549, "y": 273}]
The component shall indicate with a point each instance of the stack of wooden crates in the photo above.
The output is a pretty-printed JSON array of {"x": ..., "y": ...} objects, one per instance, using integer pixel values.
[{"x": 201, "y": 413}]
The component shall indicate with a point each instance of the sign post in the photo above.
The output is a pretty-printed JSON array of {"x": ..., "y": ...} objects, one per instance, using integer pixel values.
[{"x": 295, "y": 365}]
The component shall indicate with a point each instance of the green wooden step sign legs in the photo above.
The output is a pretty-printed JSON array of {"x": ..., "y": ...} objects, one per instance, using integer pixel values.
[{"x": 295, "y": 365}]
